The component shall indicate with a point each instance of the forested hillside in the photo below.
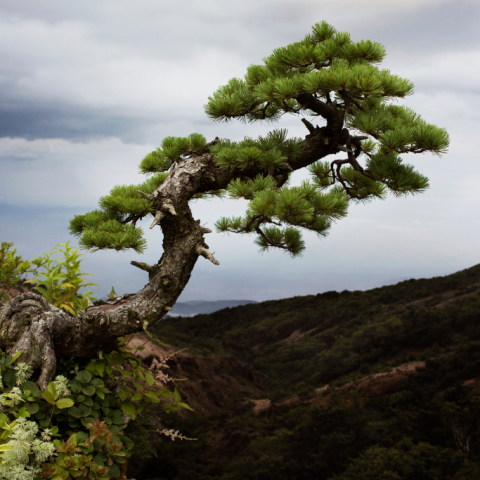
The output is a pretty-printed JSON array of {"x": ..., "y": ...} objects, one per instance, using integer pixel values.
[{"x": 382, "y": 384}]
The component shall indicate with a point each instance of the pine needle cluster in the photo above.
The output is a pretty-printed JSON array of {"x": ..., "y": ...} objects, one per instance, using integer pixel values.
[
  {"x": 303, "y": 206},
  {"x": 109, "y": 227}
]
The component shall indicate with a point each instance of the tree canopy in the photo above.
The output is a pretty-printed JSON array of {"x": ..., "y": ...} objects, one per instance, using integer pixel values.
[{"x": 325, "y": 75}]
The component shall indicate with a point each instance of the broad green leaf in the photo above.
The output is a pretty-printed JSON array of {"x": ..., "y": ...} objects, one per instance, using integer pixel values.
[
  {"x": 9, "y": 362},
  {"x": 123, "y": 395},
  {"x": 127, "y": 442},
  {"x": 44, "y": 422},
  {"x": 68, "y": 308},
  {"x": 23, "y": 412},
  {"x": 52, "y": 388},
  {"x": 138, "y": 386},
  {"x": 97, "y": 382},
  {"x": 149, "y": 379},
  {"x": 129, "y": 408},
  {"x": 75, "y": 412},
  {"x": 64, "y": 403},
  {"x": 84, "y": 376},
  {"x": 84, "y": 410},
  {"x": 81, "y": 437},
  {"x": 176, "y": 395},
  {"x": 113, "y": 471},
  {"x": 32, "y": 408},
  {"x": 88, "y": 390},
  {"x": 152, "y": 396},
  {"x": 48, "y": 397}
]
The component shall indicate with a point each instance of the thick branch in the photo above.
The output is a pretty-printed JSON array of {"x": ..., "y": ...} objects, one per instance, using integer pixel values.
[
  {"x": 329, "y": 112},
  {"x": 44, "y": 332}
]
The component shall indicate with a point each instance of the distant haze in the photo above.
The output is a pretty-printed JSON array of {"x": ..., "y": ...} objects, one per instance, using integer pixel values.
[{"x": 196, "y": 307}]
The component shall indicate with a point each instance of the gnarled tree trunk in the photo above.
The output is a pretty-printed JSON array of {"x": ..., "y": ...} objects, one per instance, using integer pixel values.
[{"x": 43, "y": 332}]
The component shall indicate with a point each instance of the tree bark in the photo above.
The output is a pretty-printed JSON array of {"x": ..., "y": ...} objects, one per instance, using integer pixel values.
[{"x": 43, "y": 332}]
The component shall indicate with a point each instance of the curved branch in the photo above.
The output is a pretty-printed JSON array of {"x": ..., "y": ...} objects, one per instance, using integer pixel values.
[
  {"x": 44, "y": 332},
  {"x": 142, "y": 266},
  {"x": 156, "y": 220},
  {"x": 330, "y": 112},
  {"x": 309, "y": 126},
  {"x": 268, "y": 240}
]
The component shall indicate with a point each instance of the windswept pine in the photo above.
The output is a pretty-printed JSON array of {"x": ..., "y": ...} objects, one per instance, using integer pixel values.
[{"x": 325, "y": 77}]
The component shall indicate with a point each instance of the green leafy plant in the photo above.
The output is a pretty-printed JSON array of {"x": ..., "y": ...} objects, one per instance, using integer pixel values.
[
  {"x": 22, "y": 450},
  {"x": 95, "y": 455},
  {"x": 7, "y": 374},
  {"x": 82, "y": 411},
  {"x": 6, "y": 429},
  {"x": 12, "y": 267},
  {"x": 61, "y": 287}
]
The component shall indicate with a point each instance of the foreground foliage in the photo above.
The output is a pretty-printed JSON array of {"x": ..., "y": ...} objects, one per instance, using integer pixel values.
[{"x": 76, "y": 426}]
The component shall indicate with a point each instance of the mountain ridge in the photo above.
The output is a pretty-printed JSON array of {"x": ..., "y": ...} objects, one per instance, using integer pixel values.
[{"x": 376, "y": 375}]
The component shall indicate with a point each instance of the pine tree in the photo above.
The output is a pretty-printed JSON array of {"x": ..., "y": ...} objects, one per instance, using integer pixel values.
[{"x": 324, "y": 77}]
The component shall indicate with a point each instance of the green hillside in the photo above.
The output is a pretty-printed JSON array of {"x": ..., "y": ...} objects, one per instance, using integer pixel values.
[{"x": 386, "y": 381}]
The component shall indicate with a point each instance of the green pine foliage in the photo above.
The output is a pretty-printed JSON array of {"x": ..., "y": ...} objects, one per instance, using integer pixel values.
[
  {"x": 303, "y": 206},
  {"x": 268, "y": 91},
  {"x": 173, "y": 150},
  {"x": 334, "y": 70},
  {"x": 108, "y": 228}
]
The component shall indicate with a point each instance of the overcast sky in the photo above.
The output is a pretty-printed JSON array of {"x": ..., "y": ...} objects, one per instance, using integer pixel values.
[{"x": 89, "y": 88}]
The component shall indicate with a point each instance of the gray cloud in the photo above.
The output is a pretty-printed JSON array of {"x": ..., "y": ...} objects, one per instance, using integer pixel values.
[
  {"x": 74, "y": 123},
  {"x": 80, "y": 70},
  {"x": 450, "y": 25}
]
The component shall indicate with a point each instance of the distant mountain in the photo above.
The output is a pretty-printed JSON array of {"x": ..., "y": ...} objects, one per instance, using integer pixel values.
[
  {"x": 383, "y": 383},
  {"x": 195, "y": 307}
]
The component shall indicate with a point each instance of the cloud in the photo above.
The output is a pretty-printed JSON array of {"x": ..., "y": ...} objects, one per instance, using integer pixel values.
[{"x": 79, "y": 71}]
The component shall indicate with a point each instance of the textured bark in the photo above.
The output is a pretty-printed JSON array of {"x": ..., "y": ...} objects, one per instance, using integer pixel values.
[{"x": 29, "y": 323}]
